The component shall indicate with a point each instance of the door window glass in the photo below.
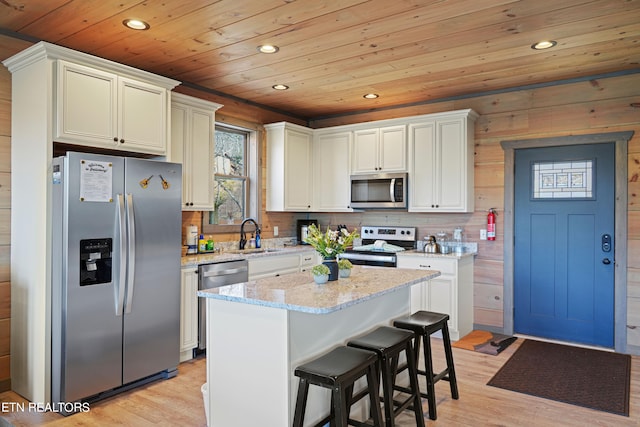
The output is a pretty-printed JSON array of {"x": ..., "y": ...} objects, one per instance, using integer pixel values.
[{"x": 563, "y": 180}]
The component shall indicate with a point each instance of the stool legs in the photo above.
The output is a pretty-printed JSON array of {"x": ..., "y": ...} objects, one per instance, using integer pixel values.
[
  {"x": 389, "y": 344},
  {"x": 448, "y": 352},
  {"x": 424, "y": 324},
  {"x": 301, "y": 402}
]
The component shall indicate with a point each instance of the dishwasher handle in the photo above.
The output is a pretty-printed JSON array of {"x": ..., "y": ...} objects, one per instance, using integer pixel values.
[{"x": 215, "y": 273}]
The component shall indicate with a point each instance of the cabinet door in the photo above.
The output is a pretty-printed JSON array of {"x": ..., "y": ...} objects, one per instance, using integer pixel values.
[
  {"x": 86, "y": 106},
  {"x": 188, "y": 309},
  {"x": 451, "y": 176},
  {"x": 365, "y": 151},
  {"x": 441, "y": 166},
  {"x": 393, "y": 149},
  {"x": 298, "y": 170},
  {"x": 422, "y": 165},
  {"x": 179, "y": 141},
  {"x": 200, "y": 154},
  {"x": 332, "y": 192},
  {"x": 142, "y": 117},
  {"x": 440, "y": 299}
]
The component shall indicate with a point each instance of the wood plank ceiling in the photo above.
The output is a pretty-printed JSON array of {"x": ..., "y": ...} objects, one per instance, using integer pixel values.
[{"x": 332, "y": 52}]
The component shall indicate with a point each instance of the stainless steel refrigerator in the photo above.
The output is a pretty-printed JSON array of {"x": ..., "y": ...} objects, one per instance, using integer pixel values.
[{"x": 115, "y": 296}]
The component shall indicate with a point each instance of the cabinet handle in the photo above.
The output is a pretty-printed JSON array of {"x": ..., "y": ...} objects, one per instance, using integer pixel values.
[
  {"x": 121, "y": 141},
  {"x": 424, "y": 266},
  {"x": 115, "y": 139}
]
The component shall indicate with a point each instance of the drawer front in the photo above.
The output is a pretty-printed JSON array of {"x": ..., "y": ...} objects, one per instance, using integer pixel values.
[
  {"x": 444, "y": 266},
  {"x": 309, "y": 259},
  {"x": 269, "y": 264}
]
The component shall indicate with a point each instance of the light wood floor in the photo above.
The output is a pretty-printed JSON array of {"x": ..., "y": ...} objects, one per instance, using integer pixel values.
[{"x": 178, "y": 401}]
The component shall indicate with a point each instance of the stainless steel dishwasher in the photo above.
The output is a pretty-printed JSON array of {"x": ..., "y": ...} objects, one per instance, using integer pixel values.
[{"x": 213, "y": 276}]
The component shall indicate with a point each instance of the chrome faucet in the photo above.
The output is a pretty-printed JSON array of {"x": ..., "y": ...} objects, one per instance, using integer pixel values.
[{"x": 243, "y": 236}]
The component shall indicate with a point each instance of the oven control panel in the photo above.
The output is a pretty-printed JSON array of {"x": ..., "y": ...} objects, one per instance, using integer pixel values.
[{"x": 388, "y": 233}]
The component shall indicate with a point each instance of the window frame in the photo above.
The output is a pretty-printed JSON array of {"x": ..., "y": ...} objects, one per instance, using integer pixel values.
[{"x": 253, "y": 166}]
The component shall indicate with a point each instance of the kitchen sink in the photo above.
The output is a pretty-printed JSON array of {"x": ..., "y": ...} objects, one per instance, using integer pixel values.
[{"x": 253, "y": 251}]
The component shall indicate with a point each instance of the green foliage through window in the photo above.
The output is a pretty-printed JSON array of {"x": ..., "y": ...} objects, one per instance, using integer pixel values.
[{"x": 230, "y": 176}]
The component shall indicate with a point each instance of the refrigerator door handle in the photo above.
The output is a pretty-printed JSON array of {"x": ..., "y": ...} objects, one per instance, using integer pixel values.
[
  {"x": 122, "y": 276},
  {"x": 131, "y": 234}
]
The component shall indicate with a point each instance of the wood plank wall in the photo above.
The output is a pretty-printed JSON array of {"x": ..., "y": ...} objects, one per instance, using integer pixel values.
[{"x": 5, "y": 228}]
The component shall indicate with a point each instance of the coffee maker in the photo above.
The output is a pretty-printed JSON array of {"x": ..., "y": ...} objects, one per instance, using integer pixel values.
[{"x": 302, "y": 228}]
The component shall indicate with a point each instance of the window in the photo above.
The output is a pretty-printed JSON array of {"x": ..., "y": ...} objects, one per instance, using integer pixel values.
[
  {"x": 563, "y": 180},
  {"x": 235, "y": 178}
]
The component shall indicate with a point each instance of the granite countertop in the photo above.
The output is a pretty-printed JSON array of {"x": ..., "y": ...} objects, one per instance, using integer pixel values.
[
  {"x": 298, "y": 291},
  {"x": 231, "y": 255},
  {"x": 430, "y": 255}
]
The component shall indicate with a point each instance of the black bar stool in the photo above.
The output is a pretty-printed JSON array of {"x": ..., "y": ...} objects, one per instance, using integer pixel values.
[
  {"x": 389, "y": 343},
  {"x": 424, "y": 324},
  {"x": 338, "y": 370}
]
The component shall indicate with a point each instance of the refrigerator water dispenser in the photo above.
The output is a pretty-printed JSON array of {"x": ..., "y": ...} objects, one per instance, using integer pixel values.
[{"x": 95, "y": 261}]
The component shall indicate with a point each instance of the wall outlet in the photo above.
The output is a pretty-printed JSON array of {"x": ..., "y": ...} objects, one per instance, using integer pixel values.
[
  {"x": 275, "y": 232},
  {"x": 483, "y": 234}
]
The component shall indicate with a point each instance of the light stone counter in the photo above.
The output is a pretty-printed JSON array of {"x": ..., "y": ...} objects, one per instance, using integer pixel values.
[
  {"x": 298, "y": 291},
  {"x": 259, "y": 332},
  {"x": 231, "y": 255}
]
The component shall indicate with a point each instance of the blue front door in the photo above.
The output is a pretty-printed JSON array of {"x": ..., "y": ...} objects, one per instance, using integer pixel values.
[{"x": 564, "y": 229}]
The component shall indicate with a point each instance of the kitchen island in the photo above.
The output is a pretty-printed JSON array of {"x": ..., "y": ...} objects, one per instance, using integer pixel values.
[{"x": 258, "y": 332}]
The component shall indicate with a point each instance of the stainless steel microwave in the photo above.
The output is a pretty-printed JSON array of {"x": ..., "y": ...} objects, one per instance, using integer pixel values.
[{"x": 379, "y": 191}]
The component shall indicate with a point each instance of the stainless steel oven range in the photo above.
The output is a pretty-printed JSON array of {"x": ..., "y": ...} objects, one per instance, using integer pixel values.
[{"x": 380, "y": 244}]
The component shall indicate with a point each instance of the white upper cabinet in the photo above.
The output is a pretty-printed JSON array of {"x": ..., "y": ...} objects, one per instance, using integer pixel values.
[
  {"x": 101, "y": 109},
  {"x": 441, "y": 157},
  {"x": 93, "y": 102},
  {"x": 289, "y": 173},
  {"x": 192, "y": 144},
  {"x": 331, "y": 160},
  {"x": 381, "y": 149}
]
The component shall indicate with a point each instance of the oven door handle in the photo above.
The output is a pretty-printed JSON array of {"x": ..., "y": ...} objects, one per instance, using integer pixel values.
[{"x": 368, "y": 257}]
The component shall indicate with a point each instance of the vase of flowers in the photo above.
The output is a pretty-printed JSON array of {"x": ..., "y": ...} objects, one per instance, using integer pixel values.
[
  {"x": 329, "y": 245},
  {"x": 344, "y": 268},
  {"x": 320, "y": 273}
]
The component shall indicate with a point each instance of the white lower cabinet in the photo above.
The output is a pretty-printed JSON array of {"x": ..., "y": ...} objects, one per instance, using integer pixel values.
[
  {"x": 273, "y": 266},
  {"x": 307, "y": 261},
  {"x": 450, "y": 293},
  {"x": 188, "y": 312}
]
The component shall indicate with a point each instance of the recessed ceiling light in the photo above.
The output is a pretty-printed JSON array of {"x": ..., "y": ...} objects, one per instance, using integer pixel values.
[
  {"x": 136, "y": 24},
  {"x": 280, "y": 87},
  {"x": 371, "y": 96},
  {"x": 268, "y": 48},
  {"x": 545, "y": 44}
]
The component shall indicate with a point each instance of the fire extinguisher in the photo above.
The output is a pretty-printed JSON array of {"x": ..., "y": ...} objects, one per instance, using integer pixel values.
[{"x": 491, "y": 225}]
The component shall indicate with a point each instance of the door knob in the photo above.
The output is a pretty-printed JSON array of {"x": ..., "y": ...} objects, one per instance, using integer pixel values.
[{"x": 606, "y": 261}]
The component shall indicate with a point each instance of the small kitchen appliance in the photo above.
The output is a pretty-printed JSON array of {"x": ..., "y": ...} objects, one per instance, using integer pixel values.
[
  {"x": 302, "y": 227},
  {"x": 380, "y": 245},
  {"x": 379, "y": 191}
]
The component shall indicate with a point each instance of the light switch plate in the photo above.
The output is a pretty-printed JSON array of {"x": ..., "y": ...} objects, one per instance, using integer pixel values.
[
  {"x": 483, "y": 234},
  {"x": 275, "y": 231}
]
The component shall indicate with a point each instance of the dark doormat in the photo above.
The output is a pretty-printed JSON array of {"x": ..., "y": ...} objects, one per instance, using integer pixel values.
[{"x": 579, "y": 376}]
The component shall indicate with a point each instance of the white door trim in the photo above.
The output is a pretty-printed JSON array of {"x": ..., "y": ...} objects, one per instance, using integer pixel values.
[{"x": 621, "y": 140}]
